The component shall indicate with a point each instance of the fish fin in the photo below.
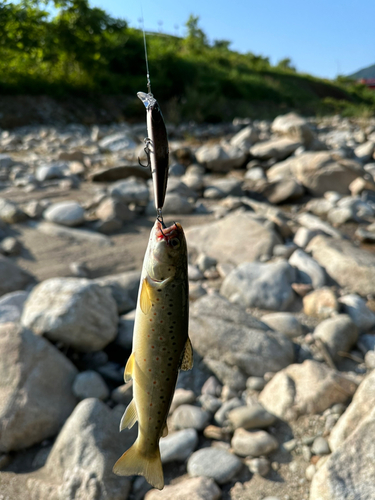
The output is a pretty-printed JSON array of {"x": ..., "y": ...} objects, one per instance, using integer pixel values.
[
  {"x": 129, "y": 368},
  {"x": 133, "y": 462},
  {"x": 165, "y": 431},
  {"x": 129, "y": 417},
  {"x": 187, "y": 357},
  {"x": 144, "y": 297}
]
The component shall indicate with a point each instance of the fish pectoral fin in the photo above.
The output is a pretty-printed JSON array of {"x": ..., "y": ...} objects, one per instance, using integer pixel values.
[
  {"x": 129, "y": 368},
  {"x": 133, "y": 462},
  {"x": 130, "y": 416},
  {"x": 165, "y": 431},
  {"x": 145, "y": 297},
  {"x": 187, "y": 357}
]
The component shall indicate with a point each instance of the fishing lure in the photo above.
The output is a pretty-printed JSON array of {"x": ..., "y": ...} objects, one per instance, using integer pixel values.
[{"x": 156, "y": 144}]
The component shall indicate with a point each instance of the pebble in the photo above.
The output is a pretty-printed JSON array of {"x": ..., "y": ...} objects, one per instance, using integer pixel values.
[
  {"x": 254, "y": 443},
  {"x": 251, "y": 417},
  {"x": 320, "y": 446},
  {"x": 339, "y": 334},
  {"x": 222, "y": 413},
  {"x": 66, "y": 213},
  {"x": 10, "y": 246},
  {"x": 90, "y": 384},
  {"x": 181, "y": 397},
  {"x": 310, "y": 471},
  {"x": 215, "y": 463},
  {"x": 285, "y": 323},
  {"x": 189, "y": 416},
  {"x": 255, "y": 383},
  {"x": 196, "y": 488},
  {"x": 212, "y": 387},
  {"x": 259, "y": 466},
  {"x": 178, "y": 446}
]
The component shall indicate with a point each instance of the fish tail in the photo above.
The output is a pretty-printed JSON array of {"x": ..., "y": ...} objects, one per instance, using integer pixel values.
[{"x": 133, "y": 462}]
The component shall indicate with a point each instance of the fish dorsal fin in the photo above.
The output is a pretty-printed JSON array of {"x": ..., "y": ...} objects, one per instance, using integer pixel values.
[
  {"x": 145, "y": 297},
  {"x": 165, "y": 431},
  {"x": 130, "y": 416},
  {"x": 129, "y": 368},
  {"x": 187, "y": 357}
]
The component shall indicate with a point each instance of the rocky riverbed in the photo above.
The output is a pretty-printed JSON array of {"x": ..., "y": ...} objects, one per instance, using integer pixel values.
[{"x": 280, "y": 223}]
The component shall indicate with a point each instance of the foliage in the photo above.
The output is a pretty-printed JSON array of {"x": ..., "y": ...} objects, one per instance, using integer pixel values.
[{"x": 66, "y": 47}]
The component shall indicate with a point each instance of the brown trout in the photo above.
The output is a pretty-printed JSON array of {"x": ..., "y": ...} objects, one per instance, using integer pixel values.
[{"x": 161, "y": 347}]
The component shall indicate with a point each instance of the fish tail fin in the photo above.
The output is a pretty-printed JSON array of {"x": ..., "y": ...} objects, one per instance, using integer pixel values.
[{"x": 133, "y": 462}]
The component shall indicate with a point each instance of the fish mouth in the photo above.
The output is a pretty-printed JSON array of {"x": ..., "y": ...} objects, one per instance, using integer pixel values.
[{"x": 167, "y": 233}]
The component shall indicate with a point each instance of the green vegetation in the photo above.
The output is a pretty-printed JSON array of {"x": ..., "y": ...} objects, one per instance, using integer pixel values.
[{"x": 83, "y": 51}]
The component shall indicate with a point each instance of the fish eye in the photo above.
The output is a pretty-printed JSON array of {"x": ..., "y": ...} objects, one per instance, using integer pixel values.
[{"x": 174, "y": 242}]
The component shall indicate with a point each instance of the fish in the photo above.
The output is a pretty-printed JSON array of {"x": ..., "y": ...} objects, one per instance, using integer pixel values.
[
  {"x": 157, "y": 149},
  {"x": 161, "y": 347}
]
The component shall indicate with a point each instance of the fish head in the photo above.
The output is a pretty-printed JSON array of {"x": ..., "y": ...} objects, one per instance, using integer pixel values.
[{"x": 167, "y": 255}]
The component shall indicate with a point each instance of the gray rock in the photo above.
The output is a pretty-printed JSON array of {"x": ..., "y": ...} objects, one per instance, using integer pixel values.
[
  {"x": 341, "y": 215},
  {"x": 216, "y": 463},
  {"x": 50, "y": 171},
  {"x": 5, "y": 161},
  {"x": 321, "y": 303},
  {"x": 338, "y": 334},
  {"x": 231, "y": 337},
  {"x": 111, "y": 208},
  {"x": 221, "y": 188},
  {"x": 108, "y": 226},
  {"x": 253, "y": 443},
  {"x": 74, "y": 311},
  {"x": 176, "y": 170},
  {"x": 279, "y": 149},
  {"x": 178, "y": 446},
  {"x": 222, "y": 413},
  {"x": 66, "y": 213},
  {"x": 294, "y": 127},
  {"x": 90, "y": 384},
  {"x": 35, "y": 388},
  {"x": 285, "y": 323},
  {"x": 13, "y": 278},
  {"x": 267, "y": 286},
  {"x": 283, "y": 190},
  {"x": 259, "y": 466},
  {"x": 80, "y": 463},
  {"x": 245, "y": 138},
  {"x": 11, "y": 306},
  {"x": 348, "y": 472},
  {"x": 209, "y": 403},
  {"x": 71, "y": 234},
  {"x": 174, "y": 204},
  {"x": 306, "y": 388},
  {"x": 189, "y": 417},
  {"x": 251, "y": 417},
  {"x": 182, "y": 396},
  {"x": 309, "y": 271},
  {"x": 359, "y": 409},
  {"x": 10, "y": 213},
  {"x": 359, "y": 313},
  {"x": 177, "y": 186},
  {"x": 124, "y": 288},
  {"x": 196, "y": 488},
  {"x": 125, "y": 330},
  {"x": 249, "y": 238},
  {"x": 10, "y": 246},
  {"x": 320, "y": 446},
  {"x": 119, "y": 172},
  {"x": 315, "y": 224},
  {"x": 255, "y": 383},
  {"x": 132, "y": 190},
  {"x": 350, "y": 266},
  {"x": 117, "y": 142},
  {"x": 365, "y": 151},
  {"x": 220, "y": 158}
]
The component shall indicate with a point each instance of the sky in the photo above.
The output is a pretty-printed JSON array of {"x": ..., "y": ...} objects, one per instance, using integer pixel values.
[{"x": 325, "y": 38}]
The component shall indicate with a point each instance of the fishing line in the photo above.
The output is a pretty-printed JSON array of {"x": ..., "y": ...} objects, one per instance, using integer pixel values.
[{"x": 144, "y": 42}]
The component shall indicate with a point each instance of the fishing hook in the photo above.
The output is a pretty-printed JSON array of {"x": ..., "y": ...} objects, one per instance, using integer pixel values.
[
  {"x": 159, "y": 217},
  {"x": 147, "y": 141}
]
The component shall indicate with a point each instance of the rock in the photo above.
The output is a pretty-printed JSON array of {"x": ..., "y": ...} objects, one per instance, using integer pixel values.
[
  {"x": 285, "y": 323},
  {"x": 212, "y": 387},
  {"x": 320, "y": 303},
  {"x": 189, "y": 417},
  {"x": 173, "y": 204},
  {"x": 13, "y": 278},
  {"x": 6, "y": 161},
  {"x": 222, "y": 413},
  {"x": 279, "y": 149},
  {"x": 56, "y": 170},
  {"x": 315, "y": 224},
  {"x": 35, "y": 388},
  {"x": 309, "y": 271},
  {"x": 35, "y": 208},
  {"x": 113, "y": 174},
  {"x": 178, "y": 446},
  {"x": 307, "y": 388},
  {"x": 341, "y": 215},
  {"x": 132, "y": 190},
  {"x": 221, "y": 188},
  {"x": 80, "y": 463},
  {"x": 267, "y": 286},
  {"x": 255, "y": 383},
  {"x": 72, "y": 234},
  {"x": 359, "y": 313},
  {"x": 10, "y": 246},
  {"x": 111, "y": 208},
  {"x": 339, "y": 334},
  {"x": 209, "y": 403},
  {"x": 125, "y": 330},
  {"x": 318, "y": 172},
  {"x": 90, "y": 384},
  {"x": 249, "y": 238},
  {"x": 364, "y": 151},
  {"x": 348, "y": 472},
  {"x": 10, "y": 213},
  {"x": 117, "y": 142},
  {"x": 320, "y": 446},
  {"x": 250, "y": 417},
  {"x": 66, "y": 213},
  {"x": 282, "y": 191},
  {"x": 176, "y": 170},
  {"x": 196, "y": 488},
  {"x": 361, "y": 184},
  {"x": 259, "y": 466},
  {"x": 108, "y": 226},
  {"x": 74, "y": 311},
  {"x": 222, "y": 332},
  {"x": 219, "y": 158},
  {"x": 181, "y": 397},
  {"x": 254, "y": 443},
  {"x": 124, "y": 288},
  {"x": 294, "y": 127},
  {"x": 350, "y": 266},
  {"x": 11, "y": 306},
  {"x": 359, "y": 409},
  {"x": 245, "y": 138},
  {"x": 215, "y": 463}
]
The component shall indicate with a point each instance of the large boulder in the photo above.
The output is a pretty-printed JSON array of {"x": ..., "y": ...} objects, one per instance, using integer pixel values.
[
  {"x": 350, "y": 266},
  {"x": 237, "y": 238},
  {"x": 74, "y": 311},
  {"x": 35, "y": 388},
  {"x": 294, "y": 127}
]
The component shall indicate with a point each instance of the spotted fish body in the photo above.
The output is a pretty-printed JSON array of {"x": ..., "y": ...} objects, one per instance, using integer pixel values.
[{"x": 160, "y": 348}]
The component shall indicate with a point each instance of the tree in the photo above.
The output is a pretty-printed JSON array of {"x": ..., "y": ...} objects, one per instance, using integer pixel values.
[
  {"x": 196, "y": 39},
  {"x": 286, "y": 64}
]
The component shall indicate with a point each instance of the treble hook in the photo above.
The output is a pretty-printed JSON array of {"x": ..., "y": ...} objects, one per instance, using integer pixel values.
[{"x": 147, "y": 141}]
